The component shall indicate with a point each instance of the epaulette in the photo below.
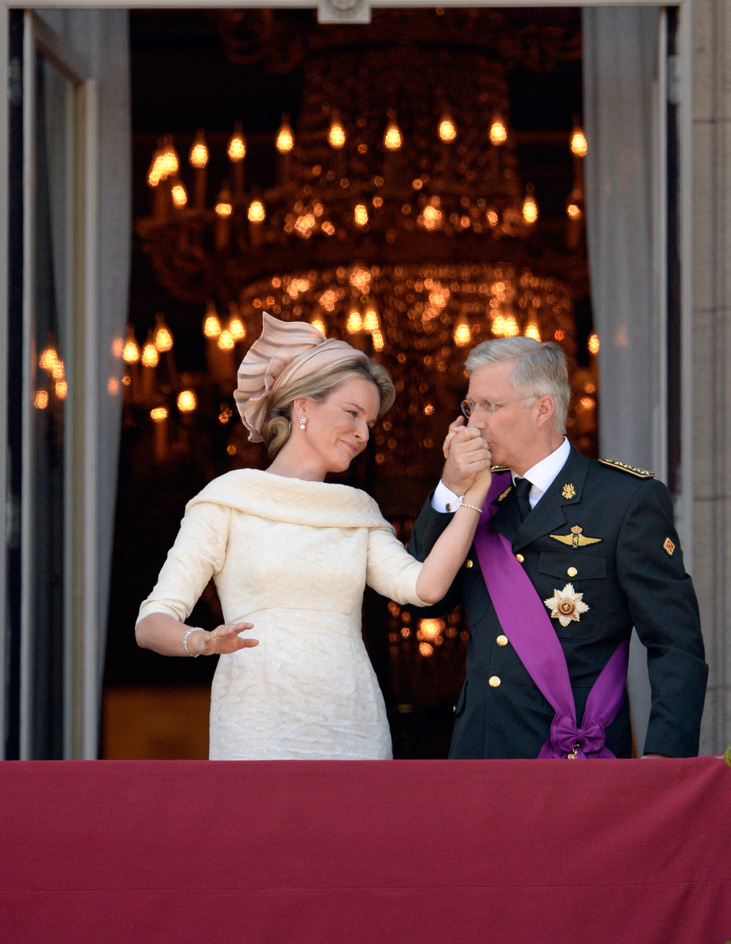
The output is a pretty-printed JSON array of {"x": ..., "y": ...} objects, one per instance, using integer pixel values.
[
  {"x": 623, "y": 467},
  {"x": 499, "y": 468}
]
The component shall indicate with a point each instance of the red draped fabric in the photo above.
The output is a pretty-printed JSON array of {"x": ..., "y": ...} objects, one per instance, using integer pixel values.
[{"x": 394, "y": 852}]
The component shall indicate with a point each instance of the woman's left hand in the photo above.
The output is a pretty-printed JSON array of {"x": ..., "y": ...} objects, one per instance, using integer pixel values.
[{"x": 223, "y": 640}]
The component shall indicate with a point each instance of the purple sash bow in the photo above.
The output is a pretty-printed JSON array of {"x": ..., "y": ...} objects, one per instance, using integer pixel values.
[{"x": 528, "y": 626}]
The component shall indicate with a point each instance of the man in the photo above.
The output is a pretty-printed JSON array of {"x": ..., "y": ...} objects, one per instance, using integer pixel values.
[{"x": 592, "y": 553}]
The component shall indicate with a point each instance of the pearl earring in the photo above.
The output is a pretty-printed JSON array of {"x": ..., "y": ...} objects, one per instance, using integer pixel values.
[{"x": 303, "y": 421}]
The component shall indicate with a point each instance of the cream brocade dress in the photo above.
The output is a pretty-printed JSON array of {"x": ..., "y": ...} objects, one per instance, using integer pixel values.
[{"x": 293, "y": 558}]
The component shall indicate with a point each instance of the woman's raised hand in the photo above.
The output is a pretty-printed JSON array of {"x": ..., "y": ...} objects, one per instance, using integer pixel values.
[{"x": 223, "y": 640}]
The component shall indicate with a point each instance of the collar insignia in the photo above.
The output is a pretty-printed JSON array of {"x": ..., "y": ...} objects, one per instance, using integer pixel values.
[
  {"x": 576, "y": 538},
  {"x": 566, "y": 605},
  {"x": 669, "y": 546},
  {"x": 568, "y": 491}
]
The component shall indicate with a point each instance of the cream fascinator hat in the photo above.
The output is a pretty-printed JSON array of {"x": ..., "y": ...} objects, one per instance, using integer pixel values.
[{"x": 285, "y": 351}]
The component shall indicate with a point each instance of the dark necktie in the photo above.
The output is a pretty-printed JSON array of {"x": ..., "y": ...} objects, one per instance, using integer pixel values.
[{"x": 522, "y": 491}]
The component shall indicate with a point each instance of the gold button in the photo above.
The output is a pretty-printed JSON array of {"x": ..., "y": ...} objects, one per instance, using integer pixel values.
[
  {"x": 468, "y": 563},
  {"x": 519, "y": 558},
  {"x": 502, "y": 640},
  {"x": 572, "y": 571},
  {"x": 494, "y": 681}
]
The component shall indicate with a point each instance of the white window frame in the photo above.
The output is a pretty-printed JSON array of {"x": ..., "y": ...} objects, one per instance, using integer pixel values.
[{"x": 80, "y": 683}]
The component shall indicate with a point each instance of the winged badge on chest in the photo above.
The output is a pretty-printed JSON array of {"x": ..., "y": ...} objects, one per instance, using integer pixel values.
[{"x": 576, "y": 538}]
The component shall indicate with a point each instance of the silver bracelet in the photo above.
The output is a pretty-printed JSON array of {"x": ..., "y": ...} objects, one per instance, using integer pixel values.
[
  {"x": 189, "y": 630},
  {"x": 473, "y": 507}
]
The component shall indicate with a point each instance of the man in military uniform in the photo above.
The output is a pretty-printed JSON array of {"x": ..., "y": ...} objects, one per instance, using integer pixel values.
[{"x": 589, "y": 551}]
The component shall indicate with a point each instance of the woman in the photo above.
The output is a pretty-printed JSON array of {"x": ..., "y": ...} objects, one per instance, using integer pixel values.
[{"x": 290, "y": 555}]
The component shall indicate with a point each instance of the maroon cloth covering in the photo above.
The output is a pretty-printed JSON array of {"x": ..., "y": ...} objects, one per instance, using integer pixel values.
[{"x": 399, "y": 852}]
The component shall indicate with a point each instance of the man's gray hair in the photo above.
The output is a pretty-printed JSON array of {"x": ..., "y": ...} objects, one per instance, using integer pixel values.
[{"x": 540, "y": 369}]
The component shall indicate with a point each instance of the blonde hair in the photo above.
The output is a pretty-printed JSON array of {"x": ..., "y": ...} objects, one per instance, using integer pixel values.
[{"x": 318, "y": 387}]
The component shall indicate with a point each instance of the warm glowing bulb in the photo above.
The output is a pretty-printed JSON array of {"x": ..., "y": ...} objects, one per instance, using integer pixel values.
[
  {"x": 223, "y": 208},
  {"x": 237, "y": 145},
  {"x": 354, "y": 324},
  {"x": 61, "y": 388},
  {"x": 511, "y": 327},
  {"x": 336, "y": 135},
  {"x": 285, "y": 137},
  {"x": 163, "y": 337},
  {"x": 574, "y": 211},
  {"x": 370, "y": 320},
  {"x": 58, "y": 372},
  {"x": 225, "y": 340},
  {"x": 237, "y": 328},
  {"x": 432, "y": 216},
  {"x": 593, "y": 343},
  {"x": 40, "y": 401},
  {"x": 462, "y": 334},
  {"x": 187, "y": 401},
  {"x": 198, "y": 155},
  {"x": 155, "y": 171},
  {"x": 360, "y": 214},
  {"x": 579, "y": 146},
  {"x": 48, "y": 359},
  {"x": 447, "y": 129},
  {"x": 171, "y": 163},
  {"x": 131, "y": 350},
  {"x": 392, "y": 139},
  {"x": 498, "y": 131},
  {"x": 180, "y": 197},
  {"x": 150, "y": 357},
  {"x": 158, "y": 414},
  {"x": 532, "y": 331},
  {"x": 256, "y": 212},
  {"x": 319, "y": 324},
  {"x": 530, "y": 208},
  {"x": 377, "y": 337},
  {"x": 430, "y": 628},
  {"x": 211, "y": 326}
]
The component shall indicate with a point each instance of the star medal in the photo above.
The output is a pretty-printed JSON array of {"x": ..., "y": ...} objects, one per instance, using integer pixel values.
[{"x": 566, "y": 605}]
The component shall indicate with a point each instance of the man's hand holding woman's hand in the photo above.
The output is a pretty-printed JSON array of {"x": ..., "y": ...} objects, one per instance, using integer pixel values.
[{"x": 467, "y": 457}]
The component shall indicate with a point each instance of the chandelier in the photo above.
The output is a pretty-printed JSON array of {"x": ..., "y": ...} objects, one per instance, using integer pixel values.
[{"x": 397, "y": 218}]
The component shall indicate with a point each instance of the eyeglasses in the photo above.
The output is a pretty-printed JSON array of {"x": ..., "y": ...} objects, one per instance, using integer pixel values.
[{"x": 488, "y": 406}]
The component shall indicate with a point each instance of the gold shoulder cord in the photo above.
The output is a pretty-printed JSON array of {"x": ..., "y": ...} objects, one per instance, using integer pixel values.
[{"x": 623, "y": 467}]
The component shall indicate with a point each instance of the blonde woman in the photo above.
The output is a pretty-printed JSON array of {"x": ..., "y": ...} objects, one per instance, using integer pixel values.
[{"x": 291, "y": 554}]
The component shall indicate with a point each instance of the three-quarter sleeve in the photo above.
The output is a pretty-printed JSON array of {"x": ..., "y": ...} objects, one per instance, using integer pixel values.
[
  {"x": 391, "y": 570},
  {"x": 199, "y": 553}
]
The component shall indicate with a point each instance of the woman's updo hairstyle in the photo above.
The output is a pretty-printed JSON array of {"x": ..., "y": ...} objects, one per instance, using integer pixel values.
[{"x": 318, "y": 387}]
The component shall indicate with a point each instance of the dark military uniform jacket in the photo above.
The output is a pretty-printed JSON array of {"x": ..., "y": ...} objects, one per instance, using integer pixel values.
[{"x": 609, "y": 533}]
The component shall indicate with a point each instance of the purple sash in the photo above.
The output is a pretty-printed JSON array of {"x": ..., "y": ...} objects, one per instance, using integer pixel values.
[{"x": 528, "y": 626}]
